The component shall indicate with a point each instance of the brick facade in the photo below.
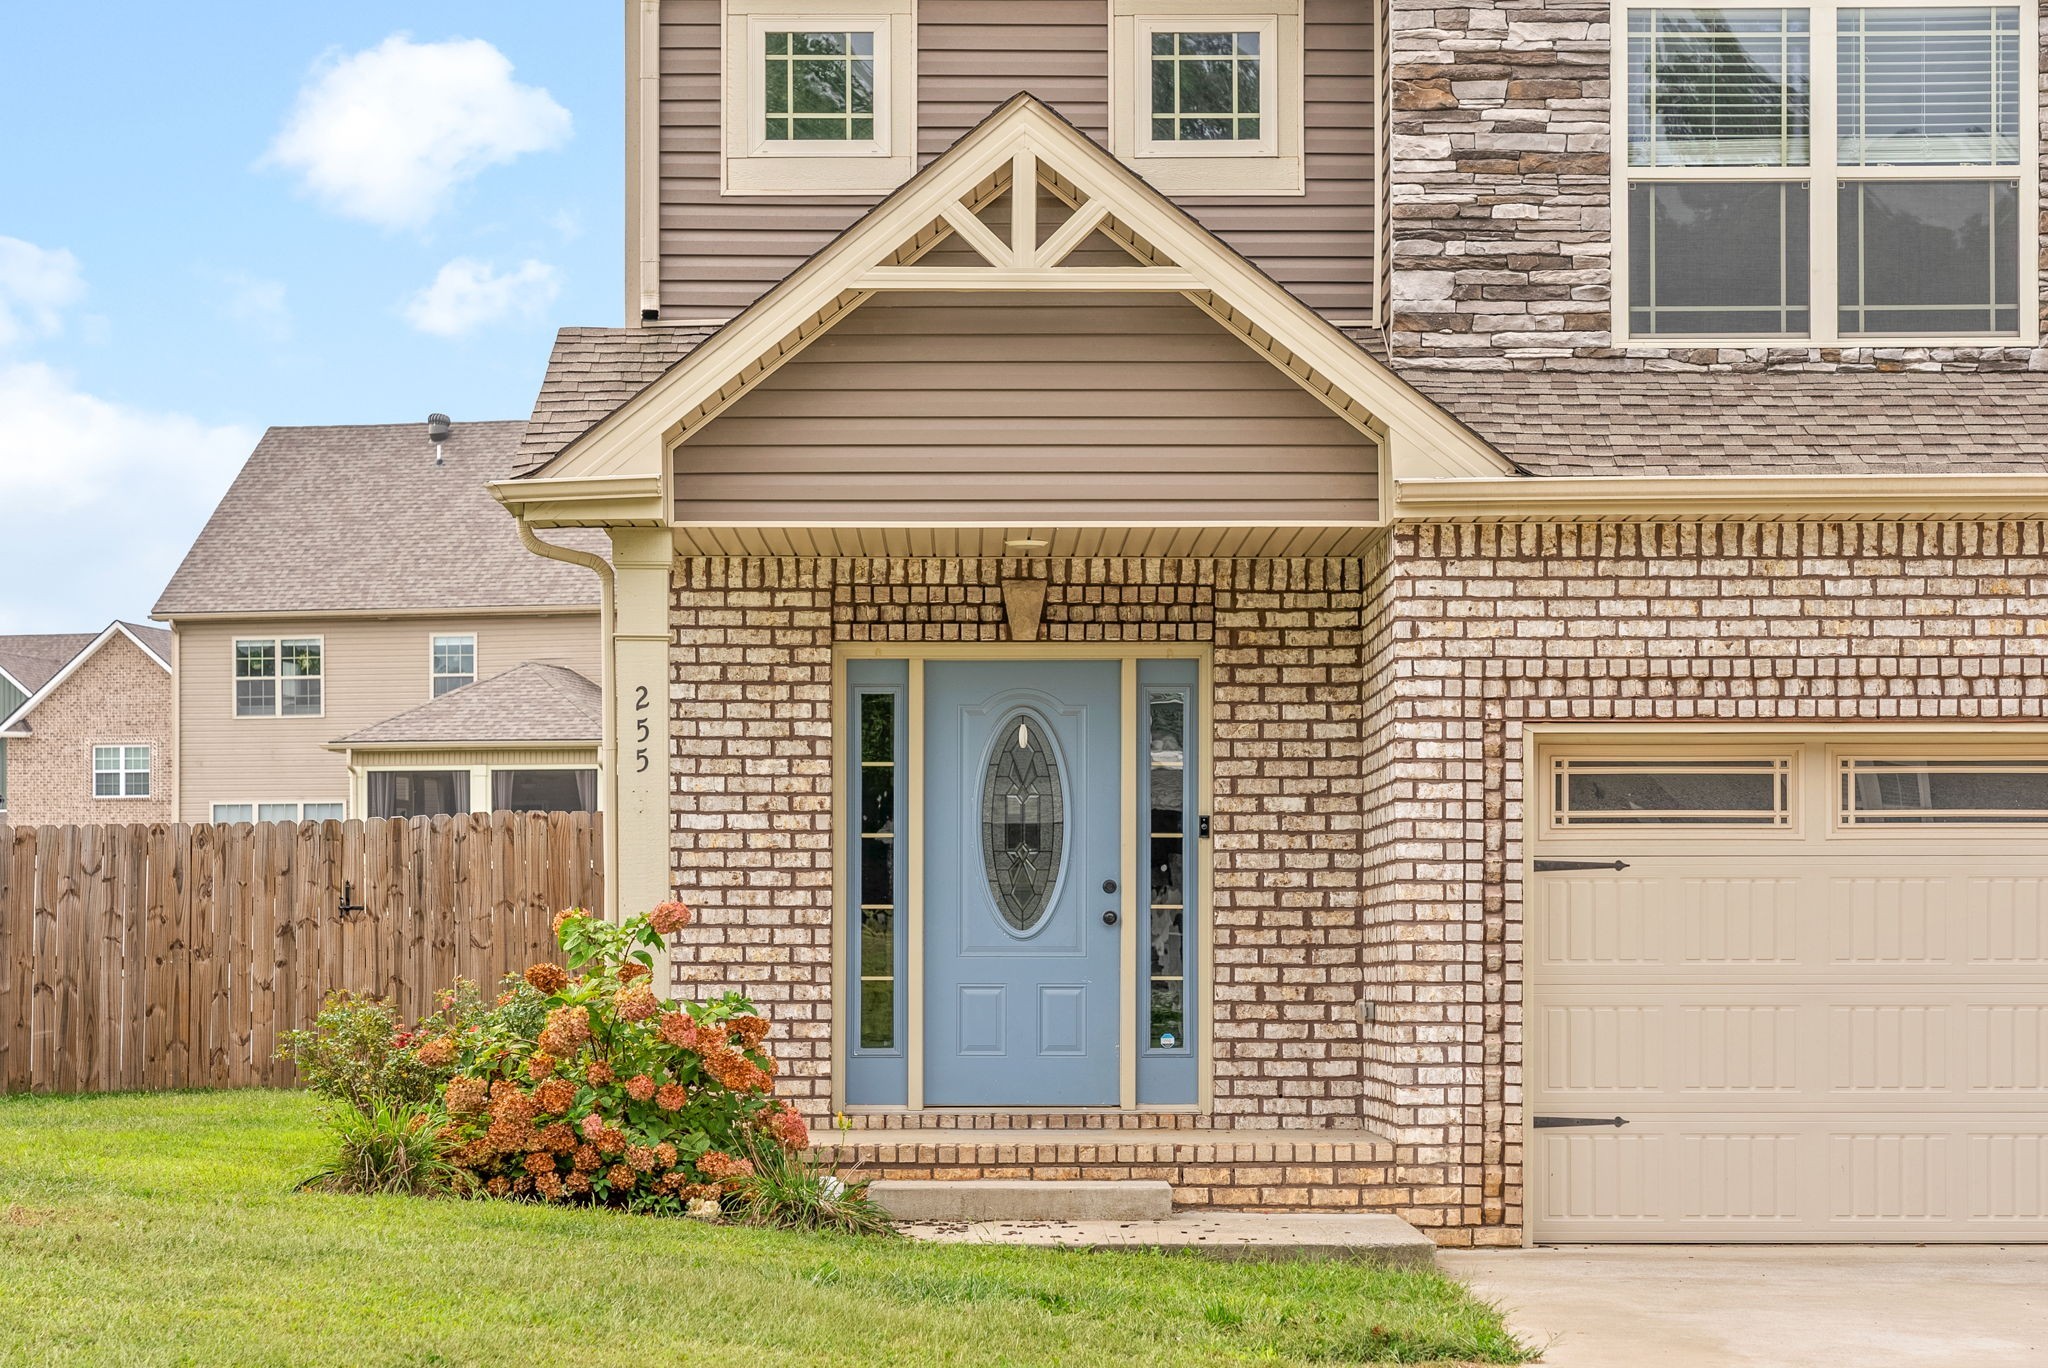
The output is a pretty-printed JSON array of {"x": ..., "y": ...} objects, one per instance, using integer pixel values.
[
  {"x": 1501, "y": 139},
  {"x": 1370, "y": 719},
  {"x": 119, "y": 696}
]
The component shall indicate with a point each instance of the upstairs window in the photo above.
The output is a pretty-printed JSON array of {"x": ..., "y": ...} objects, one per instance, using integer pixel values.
[
  {"x": 120, "y": 771},
  {"x": 1205, "y": 88},
  {"x": 820, "y": 87},
  {"x": 453, "y": 662},
  {"x": 281, "y": 677},
  {"x": 1834, "y": 174},
  {"x": 1208, "y": 102},
  {"x": 820, "y": 96}
]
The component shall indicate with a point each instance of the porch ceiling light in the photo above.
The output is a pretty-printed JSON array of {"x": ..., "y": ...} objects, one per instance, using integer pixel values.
[{"x": 1026, "y": 543}]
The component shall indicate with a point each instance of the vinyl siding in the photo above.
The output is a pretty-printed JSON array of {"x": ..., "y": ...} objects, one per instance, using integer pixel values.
[
  {"x": 374, "y": 670},
  {"x": 720, "y": 253},
  {"x": 1029, "y": 410}
]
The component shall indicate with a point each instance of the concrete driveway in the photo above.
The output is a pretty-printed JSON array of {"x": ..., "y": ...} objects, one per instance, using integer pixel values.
[{"x": 1661, "y": 1306}]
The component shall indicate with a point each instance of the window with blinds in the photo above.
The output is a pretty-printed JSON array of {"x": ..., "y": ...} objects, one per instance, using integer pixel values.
[{"x": 1743, "y": 215}]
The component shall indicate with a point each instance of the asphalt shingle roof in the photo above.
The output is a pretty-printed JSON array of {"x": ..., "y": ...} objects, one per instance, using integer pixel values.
[
  {"x": 591, "y": 372},
  {"x": 327, "y": 519},
  {"x": 529, "y": 702},
  {"x": 1762, "y": 423},
  {"x": 34, "y": 661}
]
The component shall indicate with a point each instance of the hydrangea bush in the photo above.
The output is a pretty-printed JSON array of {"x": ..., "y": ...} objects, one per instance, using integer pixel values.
[{"x": 582, "y": 1085}]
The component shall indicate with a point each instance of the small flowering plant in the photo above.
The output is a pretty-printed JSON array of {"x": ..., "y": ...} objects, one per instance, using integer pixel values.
[{"x": 582, "y": 1085}]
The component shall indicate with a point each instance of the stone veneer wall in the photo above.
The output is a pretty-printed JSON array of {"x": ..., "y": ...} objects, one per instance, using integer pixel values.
[
  {"x": 120, "y": 696},
  {"x": 1500, "y": 252},
  {"x": 1495, "y": 628},
  {"x": 750, "y": 689}
]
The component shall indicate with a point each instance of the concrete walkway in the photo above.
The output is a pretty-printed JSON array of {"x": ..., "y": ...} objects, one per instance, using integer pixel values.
[
  {"x": 1217, "y": 1235},
  {"x": 1776, "y": 1306}
]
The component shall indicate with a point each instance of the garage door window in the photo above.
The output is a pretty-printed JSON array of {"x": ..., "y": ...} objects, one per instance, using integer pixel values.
[
  {"x": 1961, "y": 792},
  {"x": 1673, "y": 792}
]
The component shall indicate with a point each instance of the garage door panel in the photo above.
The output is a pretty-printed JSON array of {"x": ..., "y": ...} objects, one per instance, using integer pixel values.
[
  {"x": 1816, "y": 1032},
  {"x": 2008, "y": 921}
]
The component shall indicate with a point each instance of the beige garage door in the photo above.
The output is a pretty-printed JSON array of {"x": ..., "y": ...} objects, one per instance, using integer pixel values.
[{"x": 1816, "y": 990}]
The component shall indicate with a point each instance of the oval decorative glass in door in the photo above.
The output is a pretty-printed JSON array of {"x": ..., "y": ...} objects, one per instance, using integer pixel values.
[{"x": 1023, "y": 822}]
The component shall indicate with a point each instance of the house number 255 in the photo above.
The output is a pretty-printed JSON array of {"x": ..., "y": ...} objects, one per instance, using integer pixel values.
[{"x": 641, "y": 731}]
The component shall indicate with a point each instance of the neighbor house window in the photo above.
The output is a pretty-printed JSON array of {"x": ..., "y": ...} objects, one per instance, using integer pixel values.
[
  {"x": 418, "y": 793},
  {"x": 1829, "y": 173},
  {"x": 120, "y": 771},
  {"x": 544, "y": 790},
  {"x": 225, "y": 813},
  {"x": 279, "y": 677},
  {"x": 453, "y": 662},
  {"x": 1209, "y": 102},
  {"x": 823, "y": 99}
]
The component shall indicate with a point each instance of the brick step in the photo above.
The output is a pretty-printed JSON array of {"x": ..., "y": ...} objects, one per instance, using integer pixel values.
[
  {"x": 1264, "y": 1170},
  {"x": 1010, "y": 1199}
]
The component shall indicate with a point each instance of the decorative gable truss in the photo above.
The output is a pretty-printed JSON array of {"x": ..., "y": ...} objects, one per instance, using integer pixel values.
[{"x": 961, "y": 224}]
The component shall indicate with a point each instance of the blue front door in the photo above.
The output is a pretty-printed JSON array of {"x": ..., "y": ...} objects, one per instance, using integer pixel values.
[{"x": 1022, "y": 819}]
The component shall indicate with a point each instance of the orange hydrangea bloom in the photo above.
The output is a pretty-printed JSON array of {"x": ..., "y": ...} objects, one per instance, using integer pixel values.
[
  {"x": 567, "y": 915},
  {"x": 498, "y": 1186},
  {"x": 665, "y": 1153},
  {"x": 465, "y": 1096},
  {"x": 670, "y": 917},
  {"x": 751, "y": 1030},
  {"x": 599, "y": 1073},
  {"x": 640, "y": 1158},
  {"x": 436, "y": 1054},
  {"x": 610, "y": 1140},
  {"x": 676, "y": 1028},
  {"x": 635, "y": 1003},
  {"x": 558, "y": 1137},
  {"x": 540, "y": 1064},
  {"x": 629, "y": 972},
  {"x": 639, "y": 1087},
  {"x": 621, "y": 1177},
  {"x": 576, "y": 1184},
  {"x": 786, "y": 1124},
  {"x": 671, "y": 1096},
  {"x": 540, "y": 1162},
  {"x": 549, "y": 1186},
  {"x": 555, "y": 1096},
  {"x": 547, "y": 977},
  {"x": 587, "y": 1159},
  {"x": 724, "y": 1168}
]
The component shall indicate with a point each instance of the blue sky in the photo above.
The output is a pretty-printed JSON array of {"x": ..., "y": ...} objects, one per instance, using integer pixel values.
[{"x": 220, "y": 217}]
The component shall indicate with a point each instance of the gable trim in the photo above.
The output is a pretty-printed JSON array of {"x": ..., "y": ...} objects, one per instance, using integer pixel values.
[
  {"x": 633, "y": 440},
  {"x": 71, "y": 667}
]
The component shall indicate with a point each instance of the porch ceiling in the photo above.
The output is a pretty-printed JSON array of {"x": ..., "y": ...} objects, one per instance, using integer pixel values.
[{"x": 1245, "y": 542}]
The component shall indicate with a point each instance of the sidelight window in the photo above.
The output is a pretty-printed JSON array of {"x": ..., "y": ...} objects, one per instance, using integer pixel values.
[
  {"x": 875, "y": 868},
  {"x": 1166, "y": 845}
]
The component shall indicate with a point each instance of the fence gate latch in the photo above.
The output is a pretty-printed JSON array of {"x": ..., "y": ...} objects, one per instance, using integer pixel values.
[{"x": 348, "y": 900}]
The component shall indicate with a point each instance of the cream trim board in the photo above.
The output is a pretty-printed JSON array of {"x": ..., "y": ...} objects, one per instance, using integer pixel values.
[
  {"x": 913, "y": 919},
  {"x": 631, "y": 442},
  {"x": 755, "y": 165},
  {"x": 1272, "y": 165},
  {"x": 643, "y": 160},
  {"x": 1824, "y": 176}
]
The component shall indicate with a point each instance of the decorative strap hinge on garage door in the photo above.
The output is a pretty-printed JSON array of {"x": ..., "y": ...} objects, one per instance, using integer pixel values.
[
  {"x": 1560, "y": 866},
  {"x": 1557, "y": 1122}
]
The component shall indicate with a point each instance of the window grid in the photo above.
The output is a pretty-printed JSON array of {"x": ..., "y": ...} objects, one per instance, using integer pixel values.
[
  {"x": 1950, "y": 792},
  {"x": 831, "y": 73},
  {"x": 1183, "y": 61},
  {"x": 1670, "y": 792},
  {"x": 453, "y": 663},
  {"x": 1828, "y": 175},
  {"x": 279, "y": 676},
  {"x": 120, "y": 771}
]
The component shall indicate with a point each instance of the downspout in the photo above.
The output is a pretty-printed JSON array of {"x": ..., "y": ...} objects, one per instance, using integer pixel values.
[{"x": 607, "y": 626}]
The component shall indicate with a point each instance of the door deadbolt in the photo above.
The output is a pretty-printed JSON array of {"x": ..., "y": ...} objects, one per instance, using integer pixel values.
[
  {"x": 1109, "y": 885},
  {"x": 1109, "y": 919}
]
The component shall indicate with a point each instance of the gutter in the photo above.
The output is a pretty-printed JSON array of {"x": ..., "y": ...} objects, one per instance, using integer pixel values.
[
  {"x": 607, "y": 746},
  {"x": 1812, "y": 497}
]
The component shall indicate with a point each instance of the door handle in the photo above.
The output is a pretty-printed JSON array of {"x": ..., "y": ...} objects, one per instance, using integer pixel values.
[{"x": 1109, "y": 919}]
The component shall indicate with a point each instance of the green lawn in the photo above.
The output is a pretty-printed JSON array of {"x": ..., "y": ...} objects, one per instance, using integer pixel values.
[{"x": 165, "y": 1229}]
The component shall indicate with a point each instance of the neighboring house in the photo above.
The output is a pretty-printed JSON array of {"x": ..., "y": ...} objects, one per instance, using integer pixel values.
[
  {"x": 1304, "y": 599},
  {"x": 351, "y": 577},
  {"x": 85, "y": 727}
]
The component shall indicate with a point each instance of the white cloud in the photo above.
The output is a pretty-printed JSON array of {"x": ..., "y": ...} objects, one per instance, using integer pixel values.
[
  {"x": 100, "y": 499},
  {"x": 386, "y": 134},
  {"x": 467, "y": 294},
  {"x": 36, "y": 285}
]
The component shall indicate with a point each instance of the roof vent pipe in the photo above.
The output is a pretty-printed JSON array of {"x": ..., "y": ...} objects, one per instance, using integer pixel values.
[{"x": 438, "y": 428}]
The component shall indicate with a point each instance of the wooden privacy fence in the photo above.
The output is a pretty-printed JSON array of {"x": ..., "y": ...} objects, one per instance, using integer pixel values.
[{"x": 176, "y": 956}]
